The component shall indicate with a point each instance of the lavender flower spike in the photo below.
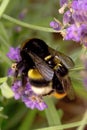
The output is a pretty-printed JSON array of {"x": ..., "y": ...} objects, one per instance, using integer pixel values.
[
  {"x": 55, "y": 25},
  {"x": 62, "y": 2},
  {"x": 17, "y": 89},
  {"x": 14, "y": 54},
  {"x": 33, "y": 101}
]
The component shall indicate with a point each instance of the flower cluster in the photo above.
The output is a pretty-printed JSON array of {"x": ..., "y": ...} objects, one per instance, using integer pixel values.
[
  {"x": 74, "y": 23},
  {"x": 26, "y": 94}
]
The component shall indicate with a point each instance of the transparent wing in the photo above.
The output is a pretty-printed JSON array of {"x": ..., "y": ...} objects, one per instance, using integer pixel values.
[
  {"x": 68, "y": 88},
  {"x": 67, "y": 61},
  {"x": 42, "y": 67}
]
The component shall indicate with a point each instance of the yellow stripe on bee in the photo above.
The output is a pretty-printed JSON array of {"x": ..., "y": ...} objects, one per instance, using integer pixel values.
[
  {"x": 48, "y": 57},
  {"x": 56, "y": 67},
  {"x": 58, "y": 95},
  {"x": 34, "y": 74}
]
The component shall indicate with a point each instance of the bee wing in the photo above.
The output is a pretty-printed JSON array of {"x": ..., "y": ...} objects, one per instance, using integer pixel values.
[
  {"x": 42, "y": 67},
  {"x": 68, "y": 88},
  {"x": 67, "y": 61}
]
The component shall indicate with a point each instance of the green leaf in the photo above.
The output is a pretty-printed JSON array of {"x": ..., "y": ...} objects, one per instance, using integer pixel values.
[
  {"x": 52, "y": 114},
  {"x": 28, "y": 120},
  {"x": 1, "y": 108},
  {"x": 6, "y": 91},
  {"x": 63, "y": 126},
  {"x": 3, "y": 6},
  {"x": 4, "y": 79}
]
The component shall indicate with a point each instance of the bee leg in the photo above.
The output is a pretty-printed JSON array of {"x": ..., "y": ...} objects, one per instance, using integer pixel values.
[
  {"x": 24, "y": 79},
  {"x": 16, "y": 75},
  {"x": 18, "y": 67},
  {"x": 24, "y": 76},
  {"x": 51, "y": 92}
]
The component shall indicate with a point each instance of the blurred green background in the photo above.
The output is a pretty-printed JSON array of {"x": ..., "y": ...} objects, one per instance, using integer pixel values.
[{"x": 15, "y": 116}]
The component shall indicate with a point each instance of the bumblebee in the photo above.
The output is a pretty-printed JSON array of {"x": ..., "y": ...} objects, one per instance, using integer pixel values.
[{"x": 46, "y": 68}]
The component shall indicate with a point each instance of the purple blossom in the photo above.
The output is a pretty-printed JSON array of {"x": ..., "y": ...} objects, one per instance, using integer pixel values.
[
  {"x": 79, "y": 11},
  {"x": 10, "y": 72},
  {"x": 17, "y": 89},
  {"x": 33, "y": 101},
  {"x": 67, "y": 18},
  {"x": 73, "y": 33},
  {"x": 42, "y": 105},
  {"x": 55, "y": 25},
  {"x": 14, "y": 54},
  {"x": 62, "y": 2},
  {"x": 74, "y": 25},
  {"x": 84, "y": 34},
  {"x": 22, "y": 14},
  {"x": 30, "y": 99}
]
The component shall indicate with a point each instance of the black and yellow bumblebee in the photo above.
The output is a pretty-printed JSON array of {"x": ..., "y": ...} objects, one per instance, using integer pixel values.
[{"x": 46, "y": 68}]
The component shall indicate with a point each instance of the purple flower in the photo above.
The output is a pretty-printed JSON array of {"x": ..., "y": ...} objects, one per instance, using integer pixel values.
[
  {"x": 67, "y": 18},
  {"x": 33, "y": 101},
  {"x": 79, "y": 11},
  {"x": 17, "y": 89},
  {"x": 55, "y": 25},
  {"x": 42, "y": 105},
  {"x": 23, "y": 14},
  {"x": 62, "y": 2},
  {"x": 73, "y": 33},
  {"x": 84, "y": 34},
  {"x": 74, "y": 26},
  {"x": 30, "y": 99},
  {"x": 10, "y": 72},
  {"x": 14, "y": 54}
]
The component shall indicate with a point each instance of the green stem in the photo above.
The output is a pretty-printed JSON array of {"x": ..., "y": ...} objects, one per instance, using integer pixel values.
[
  {"x": 84, "y": 121},
  {"x": 27, "y": 122},
  {"x": 26, "y": 25},
  {"x": 77, "y": 68},
  {"x": 65, "y": 126},
  {"x": 4, "y": 42},
  {"x": 52, "y": 114},
  {"x": 3, "y": 6}
]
